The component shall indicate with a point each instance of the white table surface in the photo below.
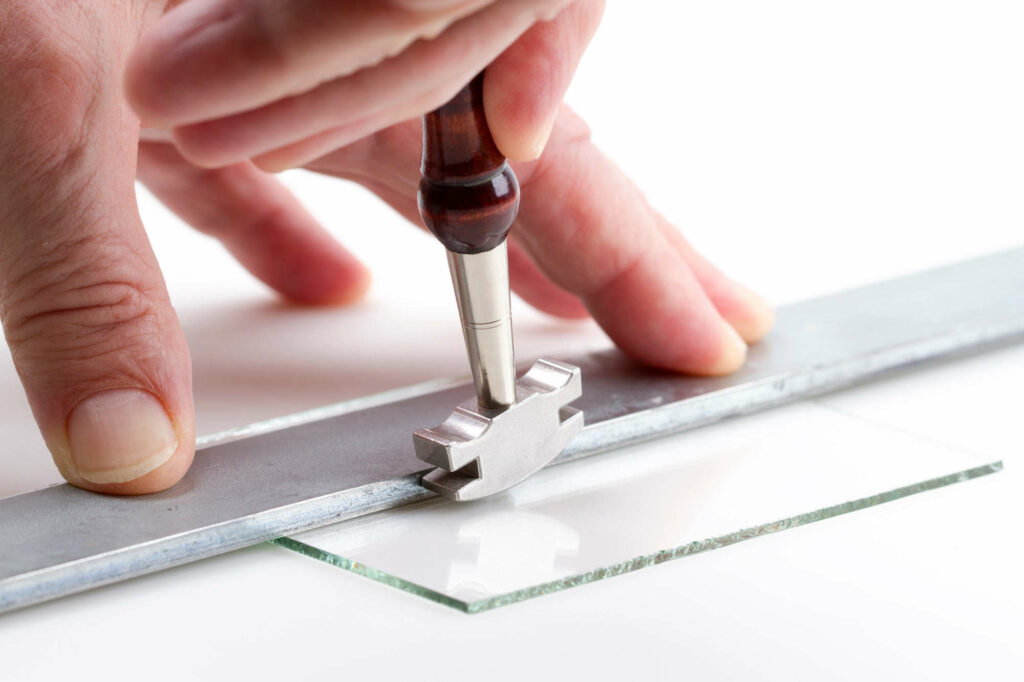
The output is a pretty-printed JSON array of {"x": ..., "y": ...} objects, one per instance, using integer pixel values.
[{"x": 813, "y": 148}]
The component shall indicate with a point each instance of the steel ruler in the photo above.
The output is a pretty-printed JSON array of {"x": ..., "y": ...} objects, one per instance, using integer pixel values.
[{"x": 357, "y": 458}]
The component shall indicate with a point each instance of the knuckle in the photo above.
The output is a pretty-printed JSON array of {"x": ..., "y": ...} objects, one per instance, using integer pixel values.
[
  {"x": 50, "y": 88},
  {"x": 44, "y": 61},
  {"x": 60, "y": 312},
  {"x": 47, "y": 137},
  {"x": 269, "y": 45}
]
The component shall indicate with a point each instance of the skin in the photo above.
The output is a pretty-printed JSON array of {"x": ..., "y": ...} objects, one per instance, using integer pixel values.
[{"x": 229, "y": 89}]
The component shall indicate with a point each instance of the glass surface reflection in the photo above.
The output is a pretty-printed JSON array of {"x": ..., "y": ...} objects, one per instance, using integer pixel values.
[{"x": 639, "y": 506}]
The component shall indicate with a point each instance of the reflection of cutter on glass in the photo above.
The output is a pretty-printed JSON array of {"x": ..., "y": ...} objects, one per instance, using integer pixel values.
[{"x": 62, "y": 540}]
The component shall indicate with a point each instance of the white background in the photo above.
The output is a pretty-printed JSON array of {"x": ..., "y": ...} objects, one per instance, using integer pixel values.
[{"x": 805, "y": 147}]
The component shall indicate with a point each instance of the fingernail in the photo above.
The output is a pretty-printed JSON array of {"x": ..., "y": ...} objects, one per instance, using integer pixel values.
[
  {"x": 535, "y": 147},
  {"x": 519, "y": 142},
  {"x": 117, "y": 436},
  {"x": 734, "y": 352},
  {"x": 760, "y": 319}
]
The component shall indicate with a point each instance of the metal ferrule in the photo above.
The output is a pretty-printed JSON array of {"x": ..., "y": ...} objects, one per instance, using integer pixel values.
[{"x": 482, "y": 291}]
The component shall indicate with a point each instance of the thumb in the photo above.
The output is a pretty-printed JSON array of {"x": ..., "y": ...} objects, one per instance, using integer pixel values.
[
  {"x": 524, "y": 86},
  {"x": 84, "y": 308}
]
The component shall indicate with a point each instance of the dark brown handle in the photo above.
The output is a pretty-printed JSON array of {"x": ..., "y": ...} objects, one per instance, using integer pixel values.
[{"x": 468, "y": 195}]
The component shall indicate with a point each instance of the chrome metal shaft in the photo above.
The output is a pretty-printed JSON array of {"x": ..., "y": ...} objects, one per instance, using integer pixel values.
[{"x": 482, "y": 292}]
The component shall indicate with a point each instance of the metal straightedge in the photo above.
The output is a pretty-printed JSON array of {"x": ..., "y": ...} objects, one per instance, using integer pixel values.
[{"x": 62, "y": 540}]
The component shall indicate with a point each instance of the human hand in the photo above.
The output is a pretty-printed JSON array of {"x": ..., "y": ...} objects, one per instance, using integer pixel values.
[
  {"x": 84, "y": 307},
  {"x": 276, "y": 82}
]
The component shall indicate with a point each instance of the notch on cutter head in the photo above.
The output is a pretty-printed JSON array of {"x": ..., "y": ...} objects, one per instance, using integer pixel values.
[{"x": 481, "y": 452}]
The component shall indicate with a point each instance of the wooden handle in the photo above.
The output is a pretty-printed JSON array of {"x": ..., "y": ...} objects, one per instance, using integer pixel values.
[{"x": 468, "y": 196}]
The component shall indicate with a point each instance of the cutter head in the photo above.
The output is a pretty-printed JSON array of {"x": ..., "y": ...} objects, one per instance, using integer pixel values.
[{"x": 479, "y": 453}]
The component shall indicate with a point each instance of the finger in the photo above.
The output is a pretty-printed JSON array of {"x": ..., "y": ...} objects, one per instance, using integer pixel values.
[
  {"x": 534, "y": 287},
  {"x": 212, "y": 58},
  {"x": 311, "y": 148},
  {"x": 421, "y": 78},
  {"x": 601, "y": 241},
  {"x": 524, "y": 86},
  {"x": 260, "y": 222},
  {"x": 91, "y": 329},
  {"x": 749, "y": 314}
]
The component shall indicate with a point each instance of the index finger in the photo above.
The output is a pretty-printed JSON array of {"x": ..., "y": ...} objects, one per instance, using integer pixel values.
[
  {"x": 593, "y": 234},
  {"x": 212, "y": 58}
]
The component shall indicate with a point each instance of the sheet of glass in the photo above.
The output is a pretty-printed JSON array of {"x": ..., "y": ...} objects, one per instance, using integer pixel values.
[{"x": 640, "y": 506}]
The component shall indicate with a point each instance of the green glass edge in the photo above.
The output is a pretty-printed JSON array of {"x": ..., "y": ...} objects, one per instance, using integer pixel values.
[
  {"x": 635, "y": 564},
  {"x": 371, "y": 573}
]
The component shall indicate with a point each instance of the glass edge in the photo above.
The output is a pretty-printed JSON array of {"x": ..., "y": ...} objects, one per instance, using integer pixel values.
[
  {"x": 370, "y": 572},
  {"x": 644, "y": 561},
  {"x": 700, "y": 546}
]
